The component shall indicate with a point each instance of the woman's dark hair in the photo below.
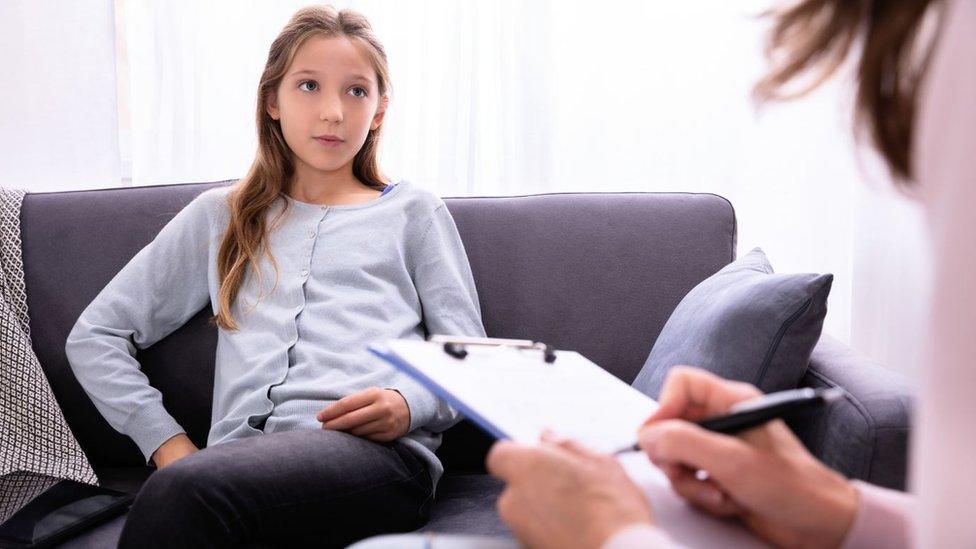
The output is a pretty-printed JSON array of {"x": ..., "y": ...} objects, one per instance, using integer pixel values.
[{"x": 812, "y": 38}]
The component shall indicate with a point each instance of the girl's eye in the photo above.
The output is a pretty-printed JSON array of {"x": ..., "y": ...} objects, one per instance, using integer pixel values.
[
  {"x": 310, "y": 82},
  {"x": 357, "y": 91}
]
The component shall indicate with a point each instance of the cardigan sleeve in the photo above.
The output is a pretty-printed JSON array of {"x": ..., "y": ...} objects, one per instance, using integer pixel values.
[
  {"x": 162, "y": 287},
  {"x": 445, "y": 285}
]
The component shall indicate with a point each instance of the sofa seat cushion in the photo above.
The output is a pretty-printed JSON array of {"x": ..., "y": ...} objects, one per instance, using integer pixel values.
[{"x": 465, "y": 504}]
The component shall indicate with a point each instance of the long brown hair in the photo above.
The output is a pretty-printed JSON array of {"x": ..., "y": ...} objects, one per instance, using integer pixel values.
[
  {"x": 246, "y": 236},
  {"x": 814, "y": 37}
]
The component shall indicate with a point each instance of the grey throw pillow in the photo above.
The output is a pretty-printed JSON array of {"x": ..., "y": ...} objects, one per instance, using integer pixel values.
[{"x": 743, "y": 323}]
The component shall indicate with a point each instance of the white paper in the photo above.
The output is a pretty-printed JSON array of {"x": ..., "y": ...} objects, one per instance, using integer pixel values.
[
  {"x": 685, "y": 524},
  {"x": 522, "y": 395}
]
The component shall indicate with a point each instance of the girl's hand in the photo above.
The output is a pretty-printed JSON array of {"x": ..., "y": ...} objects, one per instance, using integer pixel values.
[
  {"x": 764, "y": 477},
  {"x": 380, "y": 415},
  {"x": 173, "y": 449},
  {"x": 561, "y": 494}
]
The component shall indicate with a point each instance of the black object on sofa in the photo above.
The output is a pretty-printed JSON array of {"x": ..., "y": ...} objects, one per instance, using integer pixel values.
[{"x": 598, "y": 273}]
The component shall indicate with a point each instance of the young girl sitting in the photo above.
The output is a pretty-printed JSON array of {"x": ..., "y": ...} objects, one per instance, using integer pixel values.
[{"x": 305, "y": 261}]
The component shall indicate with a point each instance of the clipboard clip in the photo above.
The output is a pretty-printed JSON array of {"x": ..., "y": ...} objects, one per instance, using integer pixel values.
[{"x": 455, "y": 346}]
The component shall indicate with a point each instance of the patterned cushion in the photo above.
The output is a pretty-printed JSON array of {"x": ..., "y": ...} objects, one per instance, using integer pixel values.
[{"x": 35, "y": 441}]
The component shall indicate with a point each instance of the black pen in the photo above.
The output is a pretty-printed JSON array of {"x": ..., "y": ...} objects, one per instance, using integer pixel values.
[{"x": 754, "y": 412}]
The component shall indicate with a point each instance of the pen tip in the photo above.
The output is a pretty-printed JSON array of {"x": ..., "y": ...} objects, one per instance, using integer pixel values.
[{"x": 832, "y": 394}]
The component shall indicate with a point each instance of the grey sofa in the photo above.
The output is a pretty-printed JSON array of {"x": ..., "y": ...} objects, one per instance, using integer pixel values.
[{"x": 597, "y": 273}]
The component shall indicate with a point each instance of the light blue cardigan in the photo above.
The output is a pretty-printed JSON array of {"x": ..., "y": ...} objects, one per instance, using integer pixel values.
[{"x": 348, "y": 276}]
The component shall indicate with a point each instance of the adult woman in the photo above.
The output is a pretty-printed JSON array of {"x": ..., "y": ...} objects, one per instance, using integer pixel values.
[{"x": 925, "y": 129}]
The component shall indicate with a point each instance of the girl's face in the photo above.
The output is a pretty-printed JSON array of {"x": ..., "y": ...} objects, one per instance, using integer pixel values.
[{"x": 327, "y": 102}]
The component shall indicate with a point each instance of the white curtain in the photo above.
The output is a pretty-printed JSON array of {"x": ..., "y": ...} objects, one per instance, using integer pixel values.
[
  {"x": 58, "y": 123},
  {"x": 508, "y": 97},
  {"x": 891, "y": 278}
]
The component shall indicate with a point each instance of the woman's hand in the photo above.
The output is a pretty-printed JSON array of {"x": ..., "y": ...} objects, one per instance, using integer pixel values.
[
  {"x": 764, "y": 476},
  {"x": 560, "y": 494},
  {"x": 380, "y": 415},
  {"x": 174, "y": 448}
]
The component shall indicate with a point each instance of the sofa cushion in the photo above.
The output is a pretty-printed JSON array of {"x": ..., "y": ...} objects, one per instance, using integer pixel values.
[
  {"x": 464, "y": 504},
  {"x": 743, "y": 323},
  {"x": 73, "y": 244}
]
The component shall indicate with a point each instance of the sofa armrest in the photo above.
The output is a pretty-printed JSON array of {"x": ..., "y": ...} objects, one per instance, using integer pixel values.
[{"x": 864, "y": 436}]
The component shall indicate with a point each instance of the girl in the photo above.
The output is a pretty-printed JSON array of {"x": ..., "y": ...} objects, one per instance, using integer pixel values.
[{"x": 305, "y": 261}]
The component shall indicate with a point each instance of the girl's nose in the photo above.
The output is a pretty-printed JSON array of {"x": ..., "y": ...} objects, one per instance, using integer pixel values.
[{"x": 331, "y": 110}]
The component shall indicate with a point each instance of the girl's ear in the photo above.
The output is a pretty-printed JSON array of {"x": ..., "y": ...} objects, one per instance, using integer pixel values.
[
  {"x": 272, "y": 105},
  {"x": 380, "y": 112}
]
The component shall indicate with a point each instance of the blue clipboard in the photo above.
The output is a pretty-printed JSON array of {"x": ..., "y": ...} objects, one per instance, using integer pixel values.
[{"x": 440, "y": 392}]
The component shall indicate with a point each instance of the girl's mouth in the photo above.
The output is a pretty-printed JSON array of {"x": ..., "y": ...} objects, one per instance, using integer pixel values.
[{"x": 330, "y": 140}]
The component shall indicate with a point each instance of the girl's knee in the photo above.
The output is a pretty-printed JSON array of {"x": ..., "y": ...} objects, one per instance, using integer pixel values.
[
  {"x": 182, "y": 501},
  {"x": 184, "y": 480}
]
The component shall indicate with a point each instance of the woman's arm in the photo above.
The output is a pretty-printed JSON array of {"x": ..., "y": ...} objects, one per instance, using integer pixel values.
[
  {"x": 444, "y": 282},
  {"x": 163, "y": 286},
  {"x": 883, "y": 518}
]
